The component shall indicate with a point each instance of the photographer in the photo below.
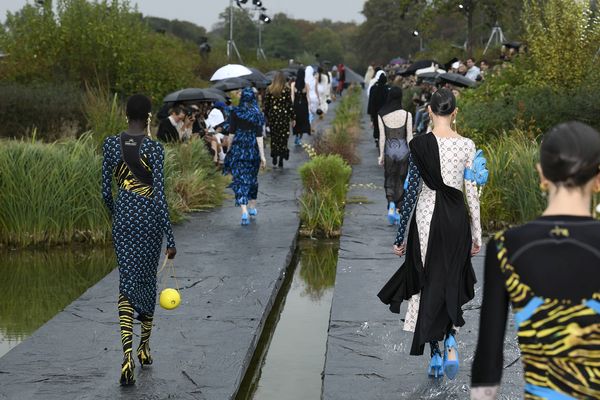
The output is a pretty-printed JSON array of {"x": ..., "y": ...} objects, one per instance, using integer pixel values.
[{"x": 169, "y": 128}]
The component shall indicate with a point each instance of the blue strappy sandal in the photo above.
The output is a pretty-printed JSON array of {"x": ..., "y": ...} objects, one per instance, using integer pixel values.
[
  {"x": 245, "y": 219},
  {"x": 391, "y": 215},
  {"x": 451, "y": 366},
  {"x": 436, "y": 369},
  {"x": 253, "y": 212}
]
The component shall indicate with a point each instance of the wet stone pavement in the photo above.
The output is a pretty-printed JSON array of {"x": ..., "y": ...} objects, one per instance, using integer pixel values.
[
  {"x": 229, "y": 277},
  {"x": 367, "y": 351}
]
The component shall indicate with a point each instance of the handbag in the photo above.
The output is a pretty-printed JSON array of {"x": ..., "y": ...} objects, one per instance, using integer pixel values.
[
  {"x": 478, "y": 172},
  {"x": 169, "y": 298}
]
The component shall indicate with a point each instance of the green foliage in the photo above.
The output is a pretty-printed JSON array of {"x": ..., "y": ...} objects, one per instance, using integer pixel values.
[
  {"x": 512, "y": 195},
  {"x": 104, "y": 113},
  {"x": 182, "y": 29},
  {"x": 85, "y": 41},
  {"x": 245, "y": 32},
  {"x": 49, "y": 281},
  {"x": 50, "y": 193},
  {"x": 318, "y": 264},
  {"x": 326, "y": 43},
  {"x": 563, "y": 37},
  {"x": 325, "y": 180},
  {"x": 51, "y": 110},
  {"x": 282, "y": 38}
]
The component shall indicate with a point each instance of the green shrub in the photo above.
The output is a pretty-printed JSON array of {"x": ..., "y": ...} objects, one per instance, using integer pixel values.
[
  {"x": 51, "y": 194},
  {"x": 512, "y": 195},
  {"x": 325, "y": 180},
  {"x": 51, "y": 110},
  {"x": 104, "y": 113},
  {"x": 85, "y": 41}
]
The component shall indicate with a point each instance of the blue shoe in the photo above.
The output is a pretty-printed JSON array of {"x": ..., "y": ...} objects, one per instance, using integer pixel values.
[
  {"x": 397, "y": 215},
  {"x": 392, "y": 213},
  {"x": 451, "y": 366},
  {"x": 245, "y": 219},
  {"x": 297, "y": 141},
  {"x": 252, "y": 212},
  {"x": 435, "y": 369}
]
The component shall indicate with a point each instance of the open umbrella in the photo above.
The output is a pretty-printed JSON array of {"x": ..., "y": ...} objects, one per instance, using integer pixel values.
[
  {"x": 192, "y": 94},
  {"x": 457, "y": 80},
  {"x": 417, "y": 65},
  {"x": 230, "y": 71},
  {"x": 428, "y": 70},
  {"x": 397, "y": 61},
  {"x": 259, "y": 79},
  {"x": 218, "y": 92},
  {"x": 232, "y": 84},
  {"x": 292, "y": 71}
]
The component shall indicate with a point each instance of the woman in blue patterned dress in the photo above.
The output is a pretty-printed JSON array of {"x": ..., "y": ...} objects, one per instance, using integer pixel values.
[
  {"x": 140, "y": 218},
  {"x": 246, "y": 155}
]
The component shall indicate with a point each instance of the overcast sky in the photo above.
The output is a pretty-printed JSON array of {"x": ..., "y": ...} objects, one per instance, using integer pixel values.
[{"x": 206, "y": 12}]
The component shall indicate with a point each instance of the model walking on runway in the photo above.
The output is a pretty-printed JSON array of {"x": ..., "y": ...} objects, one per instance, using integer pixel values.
[
  {"x": 140, "y": 219},
  {"x": 437, "y": 276}
]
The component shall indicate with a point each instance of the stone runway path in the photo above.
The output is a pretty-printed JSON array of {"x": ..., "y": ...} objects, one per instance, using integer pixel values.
[
  {"x": 229, "y": 276},
  {"x": 367, "y": 351}
]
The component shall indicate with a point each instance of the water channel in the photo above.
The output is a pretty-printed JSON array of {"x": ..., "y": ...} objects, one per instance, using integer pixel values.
[
  {"x": 36, "y": 285},
  {"x": 290, "y": 357}
]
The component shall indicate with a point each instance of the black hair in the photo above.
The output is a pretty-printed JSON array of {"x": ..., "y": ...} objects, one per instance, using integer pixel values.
[
  {"x": 570, "y": 154},
  {"x": 393, "y": 102},
  {"x": 321, "y": 72},
  {"x": 138, "y": 108},
  {"x": 177, "y": 109},
  {"x": 300, "y": 75},
  {"x": 443, "y": 102}
]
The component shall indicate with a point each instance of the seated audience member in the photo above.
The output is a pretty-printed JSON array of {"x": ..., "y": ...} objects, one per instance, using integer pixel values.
[{"x": 169, "y": 128}]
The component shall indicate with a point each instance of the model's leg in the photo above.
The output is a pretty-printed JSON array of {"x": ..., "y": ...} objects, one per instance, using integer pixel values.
[
  {"x": 143, "y": 350},
  {"x": 126, "y": 323}
]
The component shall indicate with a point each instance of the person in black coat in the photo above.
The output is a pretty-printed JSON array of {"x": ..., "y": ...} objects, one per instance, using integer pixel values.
[
  {"x": 377, "y": 98},
  {"x": 168, "y": 129}
]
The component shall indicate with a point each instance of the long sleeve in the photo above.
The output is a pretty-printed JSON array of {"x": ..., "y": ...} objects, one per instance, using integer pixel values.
[
  {"x": 381, "y": 136},
  {"x": 107, "y": 173},
  {"x": 409, "y": 127},
  {"x": 473, "y": 202},
  {"x": 409, "y": 200},
  {"x": 267, "y": 107},
  {"x": 160, "y": 199},
  {"x": 488, "y": 361},
  {"x": 289, "y": 104}
]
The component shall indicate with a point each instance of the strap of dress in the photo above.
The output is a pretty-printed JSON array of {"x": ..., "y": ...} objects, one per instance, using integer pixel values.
[{"x": 121, "y": 139}]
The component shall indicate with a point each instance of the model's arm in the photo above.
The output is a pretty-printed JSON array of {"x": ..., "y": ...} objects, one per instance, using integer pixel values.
[
  {"x": 107, "y": 173},
  {"x": 488, "y": 361},
  {"x": 409, "y": 200},
  {"x": 160, "y": 199},
  {"x": 473, "y": 201},
  {"x": 409, "y": 128},
  {"x": 292, "y": 89},
  {"x": 381, "y": 138}
]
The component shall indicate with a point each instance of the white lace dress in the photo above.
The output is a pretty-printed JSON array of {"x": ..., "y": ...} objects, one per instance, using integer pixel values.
[{"x": 456, "y": 154}]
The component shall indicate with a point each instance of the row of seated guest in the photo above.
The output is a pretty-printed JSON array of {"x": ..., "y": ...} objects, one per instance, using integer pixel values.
[{"x": 205, "y": 120}]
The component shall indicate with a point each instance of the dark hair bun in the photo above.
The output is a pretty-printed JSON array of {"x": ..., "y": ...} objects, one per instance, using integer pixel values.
[
  {"x": 138, "y": 107},
  {"x": 570, "y": 154},
  {"x": 443, "y": 102}
]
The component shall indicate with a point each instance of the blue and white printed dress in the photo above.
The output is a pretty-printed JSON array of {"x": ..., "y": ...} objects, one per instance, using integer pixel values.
[{"x": 140, "y": 218}]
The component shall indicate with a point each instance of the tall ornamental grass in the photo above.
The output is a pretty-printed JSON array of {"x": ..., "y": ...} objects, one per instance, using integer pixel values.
[
  {"x": 51, "y": 193},
  {"x": 325, "y": 181},
  {"x": 512, "y": 195}
]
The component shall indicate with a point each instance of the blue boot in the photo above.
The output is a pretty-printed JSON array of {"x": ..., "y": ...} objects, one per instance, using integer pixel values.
[
  {"x": 245, "y": 219},
  {"x": 435, "y": 369},
  {"x": 397, "y": 215},
  {"x": 391, "y": 213},
  {"x": 252, "y": 212},
  {"x": 451, "y": 366}
]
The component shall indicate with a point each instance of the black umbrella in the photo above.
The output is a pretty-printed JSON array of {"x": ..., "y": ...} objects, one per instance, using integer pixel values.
[
  {"x": 227, "y": 85},
  {"x": 293, "y": 71},
  {"x": 218, "y": 92},
  {"x": 417, "y": 65},
  {"x": 271, "y": 75},
  {"x": 259, "y": 79},
  {"x": 192, "y": 94},
  {"x": 457, "y": 80}
]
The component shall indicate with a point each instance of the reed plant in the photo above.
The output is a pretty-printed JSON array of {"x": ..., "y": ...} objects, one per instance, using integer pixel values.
[
  {"x": 325, "y": 180},
  {"x": 104, "y": 113},
  {"x": 512, "y": 195},
  {"x": 50, "y": 193}
]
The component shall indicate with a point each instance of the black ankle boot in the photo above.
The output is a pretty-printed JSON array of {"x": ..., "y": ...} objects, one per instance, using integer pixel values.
[
  {"x": 274, "y": 160},
  {"x": 280, "y": 162}
]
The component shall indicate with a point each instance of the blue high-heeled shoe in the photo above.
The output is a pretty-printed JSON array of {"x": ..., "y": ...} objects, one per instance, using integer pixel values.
[
  {"x": 451, "y": 366},
  {"x": 392, "y": 213},
  {"x": 436, "y": 369},
  {"x": 397, "y": 215},
  {"x": 245, "y": 219},
  {"x": 253, "y": 212}
]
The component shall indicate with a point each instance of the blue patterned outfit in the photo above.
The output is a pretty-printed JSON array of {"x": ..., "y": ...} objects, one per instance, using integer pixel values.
[
  {"x": 140, "y": 218},
  {"x": 243, "y": 158}
]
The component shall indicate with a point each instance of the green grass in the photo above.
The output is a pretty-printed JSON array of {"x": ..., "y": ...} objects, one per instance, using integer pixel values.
[
  {"x": 50, "y": 193},
  {"x": 512, "y": 195}
]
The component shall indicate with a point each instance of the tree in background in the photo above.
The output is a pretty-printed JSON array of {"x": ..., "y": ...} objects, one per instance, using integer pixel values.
[
  {"x": 182, "y": 29},
  {"x": 282, "y": 38},
  {"x": 245, "y": 32}
]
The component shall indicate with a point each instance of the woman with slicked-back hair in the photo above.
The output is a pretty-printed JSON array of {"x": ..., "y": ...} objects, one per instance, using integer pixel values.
[
  {"x": 140, "y": 219},
  {"x": 437, "y": 276},
  {"x": 548, "y": 270}
]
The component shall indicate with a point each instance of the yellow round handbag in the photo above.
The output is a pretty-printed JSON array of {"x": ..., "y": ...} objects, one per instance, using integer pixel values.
[{"x": 169, "y": 298}]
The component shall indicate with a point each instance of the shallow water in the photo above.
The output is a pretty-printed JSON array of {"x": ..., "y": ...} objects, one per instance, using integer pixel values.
[
  {"x": 290, "y": 358},
  {"x": 36, "y": 285}
]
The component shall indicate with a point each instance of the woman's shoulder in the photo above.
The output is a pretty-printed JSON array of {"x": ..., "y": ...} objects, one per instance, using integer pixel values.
[
  {"x": 152, "y": 145},
  {"x": 111, "y": 141}
]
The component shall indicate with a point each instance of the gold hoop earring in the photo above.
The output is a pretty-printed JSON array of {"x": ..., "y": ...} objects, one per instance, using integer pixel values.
[
  {"x": 544, "y": 186},
  {"x": 127, "y": 119},
  {"x": 148, "y": 122}
]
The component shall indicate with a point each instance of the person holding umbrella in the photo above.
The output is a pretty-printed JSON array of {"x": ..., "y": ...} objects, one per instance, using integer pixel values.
[
  {"x": 246, "y": 155},
  {"x": 279, "y": 112},
  {"x": 140, "y": 219}
]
